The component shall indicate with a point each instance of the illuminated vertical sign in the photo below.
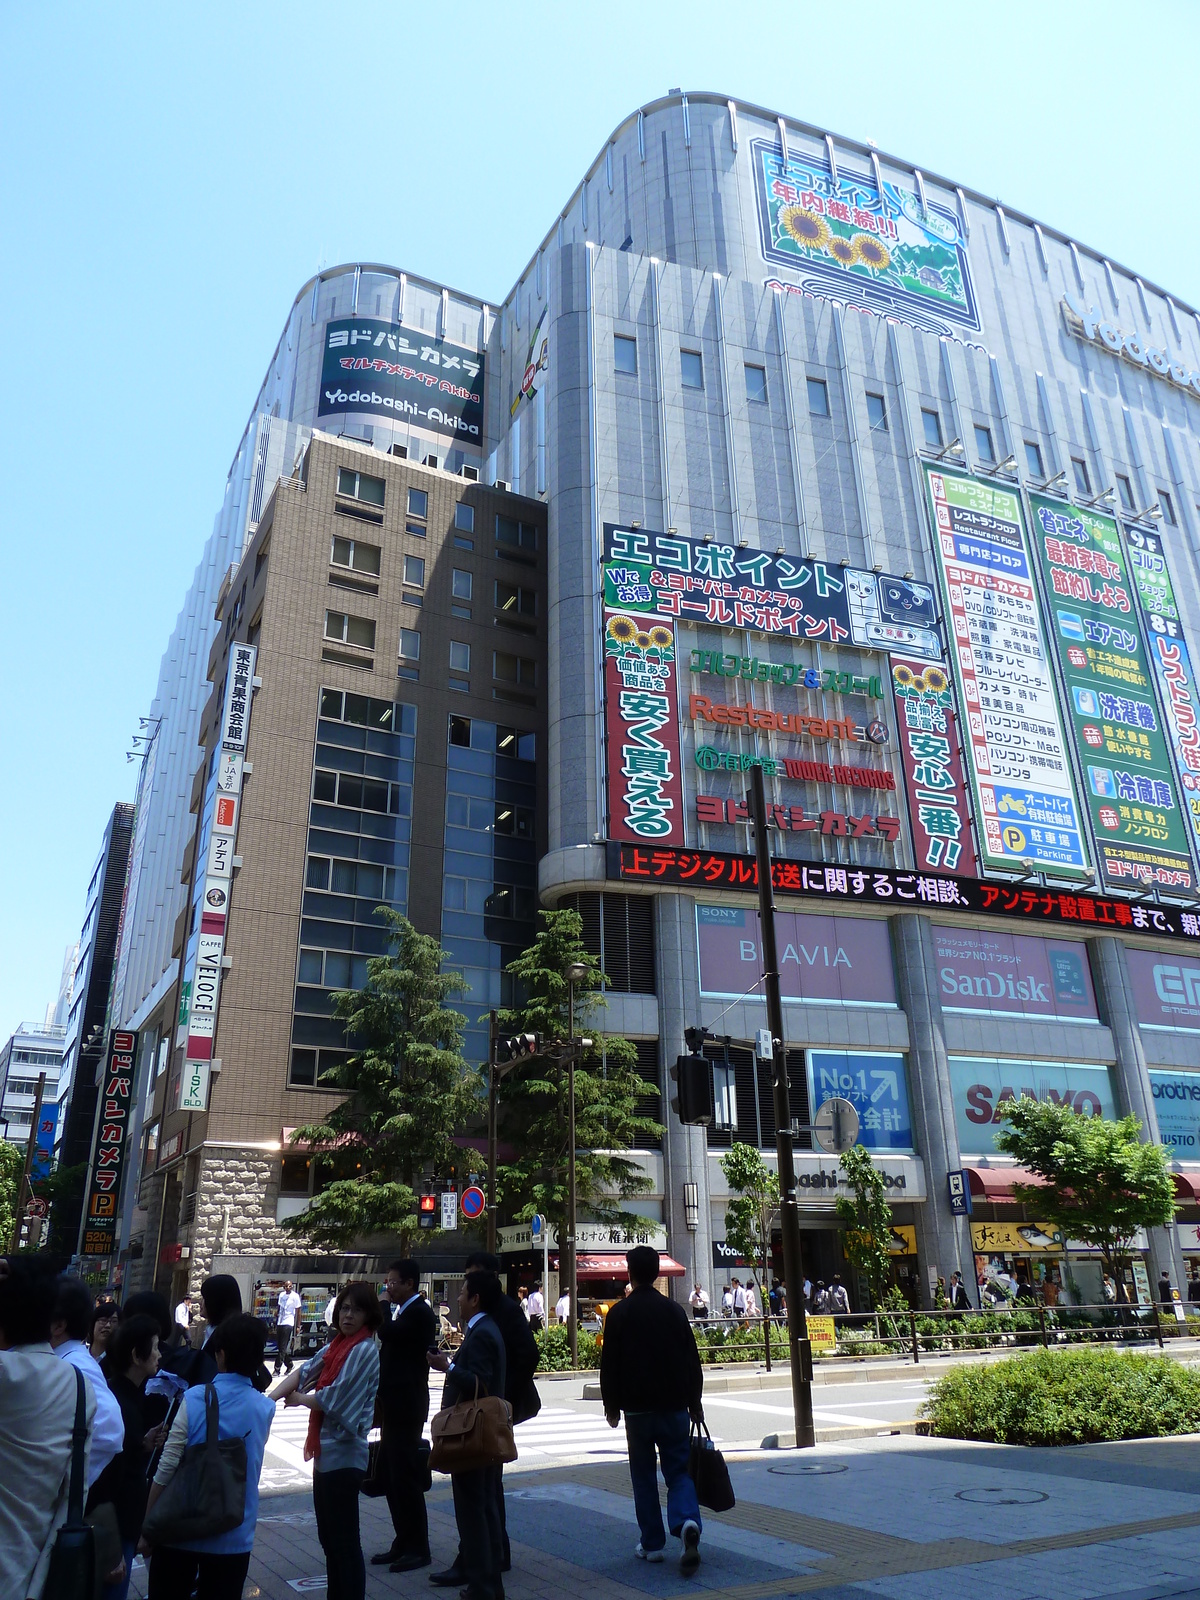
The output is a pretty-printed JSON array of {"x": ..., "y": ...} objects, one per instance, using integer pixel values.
[
  {"x": 1140, "y": 833},
  {"x": 933, "y": 775},
  {"x": 645, "y": 785},
  {"x": 1026, "y": 808},
  {"x": 108, "y": 1153}
]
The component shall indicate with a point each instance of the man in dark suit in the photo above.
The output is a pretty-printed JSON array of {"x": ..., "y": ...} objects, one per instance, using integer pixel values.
[
  {"x": 408, "y": 1331},
  {"x": 521, "y": 1355},
  {"x": 480, "y": 1358},
  {"x": 650, "y": 1370}
]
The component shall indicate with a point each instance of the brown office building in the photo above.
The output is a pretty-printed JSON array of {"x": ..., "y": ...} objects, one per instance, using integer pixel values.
[{"x": 391, "y": 755}]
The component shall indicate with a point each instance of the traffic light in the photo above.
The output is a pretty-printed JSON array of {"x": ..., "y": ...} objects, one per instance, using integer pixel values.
[
  {"x": 695, "y": 1038},
  {"x": 693, "y": 1102},
  {"x": 520, "y": 1048},
  {"x": 427, "y": 1217}
]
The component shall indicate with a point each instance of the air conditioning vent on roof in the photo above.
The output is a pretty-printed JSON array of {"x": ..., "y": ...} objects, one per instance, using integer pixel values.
[
  {"x": 502, "y": 483},
  {"x": 400, "y": 450},
  {"x": 470, "y": 473},
  {"x": 430, "y": 461}
]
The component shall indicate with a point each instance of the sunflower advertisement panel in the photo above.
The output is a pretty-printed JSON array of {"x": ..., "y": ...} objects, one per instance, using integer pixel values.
[
  {"x": 378, "y": 369},
  {"x": 641, "y": 709},
  {"x": 856, "y": 237},
  {"x": 1172, "y": 663},
  {"x": 726, "y": 586},
  {"x": 1026, "y": 808},
  {"x": 1138, "y": 825},
  {"x": 933, "y": 774}
]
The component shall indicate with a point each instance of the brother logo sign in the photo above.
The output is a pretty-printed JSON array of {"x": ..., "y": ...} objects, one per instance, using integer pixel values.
[{"x": 1086, "y": 322}]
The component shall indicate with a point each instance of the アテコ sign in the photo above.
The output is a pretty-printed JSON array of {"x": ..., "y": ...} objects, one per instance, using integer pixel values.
[
  {"x": 1009, "y": 974},
  {"x": 839, "y": 960},
  {"x": 645, "y": 785},
  {"x": 982, "y": 1087},
  {"x": 1172, "y": 665},
  {"x": 875, "y": 1084},
  {"x": 727, "y": 586},
  {"x": 855, "y": 237},
  {"x": 1166, "y": 989},
  {"x": 1140, "y": 833},
  {"x": 933, "y": 775},
  {"x": 377, "y": 369},
  {"x": 1025, "y": 803},
  {"x": 108, "y": 1152}
]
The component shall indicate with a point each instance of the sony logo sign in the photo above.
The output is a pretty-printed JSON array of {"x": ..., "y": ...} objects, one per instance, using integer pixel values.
[{"x": 1086, "y": 322}]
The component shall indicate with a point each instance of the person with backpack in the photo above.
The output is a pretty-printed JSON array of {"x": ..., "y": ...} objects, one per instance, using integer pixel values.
[{"x": 218, "y": 1563}]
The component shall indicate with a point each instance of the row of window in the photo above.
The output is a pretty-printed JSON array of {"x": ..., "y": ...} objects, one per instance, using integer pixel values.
[
  {"x": 368, "y": 490},
  {"x": 38, "y": 1058}
]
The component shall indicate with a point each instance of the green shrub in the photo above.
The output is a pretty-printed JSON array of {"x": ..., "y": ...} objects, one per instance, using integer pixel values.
[
  {"x": 1065, "y": 1396},
  {"x": 555, "y": 1348}
]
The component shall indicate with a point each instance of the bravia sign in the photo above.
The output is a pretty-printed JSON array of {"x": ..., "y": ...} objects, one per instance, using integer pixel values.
[
  {"x": 377, "y": 369},
  {"x": 1007, "y": 974},
  {"x": 839, "y": 960}
]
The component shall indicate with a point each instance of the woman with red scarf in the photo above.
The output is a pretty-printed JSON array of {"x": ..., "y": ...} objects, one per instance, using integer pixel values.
[{"x": 338, "y": 1385}]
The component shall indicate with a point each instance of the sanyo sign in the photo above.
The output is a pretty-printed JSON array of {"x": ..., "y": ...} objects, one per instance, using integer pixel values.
[{"x": 1086, "y": 322}]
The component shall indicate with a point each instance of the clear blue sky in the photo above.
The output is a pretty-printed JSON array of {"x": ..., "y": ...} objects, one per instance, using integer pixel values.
[{"x": 171, "y": 174}]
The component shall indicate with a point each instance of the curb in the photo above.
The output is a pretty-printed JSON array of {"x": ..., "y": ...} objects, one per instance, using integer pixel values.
[{"x": 787, "y": 1441}]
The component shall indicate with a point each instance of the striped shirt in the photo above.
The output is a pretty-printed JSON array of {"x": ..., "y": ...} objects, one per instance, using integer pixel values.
[{"x": 347, "y": 1406}]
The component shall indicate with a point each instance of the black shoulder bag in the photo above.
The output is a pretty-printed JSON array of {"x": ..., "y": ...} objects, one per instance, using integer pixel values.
[
  {"x": 708, "y": 1471},
  {"x": 72, "y": 1572},
  {"x": 208, "y": 1493}
]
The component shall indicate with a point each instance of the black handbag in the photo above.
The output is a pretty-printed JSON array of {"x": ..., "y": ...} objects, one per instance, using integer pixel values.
[
  {"x": 72, "y": 1570},
  {"x": 208, "y": 1493},
  {"x": 708, "y": 1471},
  {"x": 375, "y": 1483}
]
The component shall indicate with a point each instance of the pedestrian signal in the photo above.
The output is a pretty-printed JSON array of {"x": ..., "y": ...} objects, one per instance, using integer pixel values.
[
  {"x": 427, "y": 1216},
  {"x": 693, "y": 1101},
  {"x": 521, "y": 1047}
]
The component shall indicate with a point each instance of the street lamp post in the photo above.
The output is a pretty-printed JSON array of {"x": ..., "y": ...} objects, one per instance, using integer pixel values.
[{"x": 576, "y": 973}]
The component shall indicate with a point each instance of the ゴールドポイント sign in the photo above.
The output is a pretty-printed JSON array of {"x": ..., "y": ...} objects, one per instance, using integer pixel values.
[{"x": 645, "y": 787}]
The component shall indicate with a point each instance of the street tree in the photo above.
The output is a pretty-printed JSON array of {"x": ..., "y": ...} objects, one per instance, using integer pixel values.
[
  {"x": 408, "y": 1091},
  {"x": 12, "y": 1164},
  {"x": 1100, "y": 1182},
  {"x": 867, "y": 1220},
  {"x": 748, "y": 1217},
  {"x": 533, "y": 1095}
]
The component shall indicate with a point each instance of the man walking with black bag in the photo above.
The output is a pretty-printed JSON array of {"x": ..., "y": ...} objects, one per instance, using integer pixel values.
[
  {"x": 409, "y": 1329},
  {"x": 650, "y": 1370}
]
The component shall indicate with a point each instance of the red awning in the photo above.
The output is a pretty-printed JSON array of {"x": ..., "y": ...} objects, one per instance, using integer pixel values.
[
  {"x": 1187, "y": 1186},
  {"x": 616, "y": 1267},
  {"x": 996, "y": 1183}
]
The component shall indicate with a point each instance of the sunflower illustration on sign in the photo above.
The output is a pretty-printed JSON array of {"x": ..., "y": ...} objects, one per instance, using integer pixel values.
[
  {"x": 932, "y": 684},
  {"x": 624, "y": 636}
]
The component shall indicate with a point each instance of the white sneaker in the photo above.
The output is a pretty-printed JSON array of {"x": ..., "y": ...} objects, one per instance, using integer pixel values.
[
  {"x": 690, "y": 1559},
  {"x": 651, "y": 1555}
]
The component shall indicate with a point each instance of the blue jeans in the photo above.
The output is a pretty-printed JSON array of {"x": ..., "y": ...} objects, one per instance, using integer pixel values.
[{"x": 669, "y": 1431}]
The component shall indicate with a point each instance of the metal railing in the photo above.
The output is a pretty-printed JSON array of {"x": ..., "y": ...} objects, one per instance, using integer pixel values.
[{"x": 910, "y": 1334}]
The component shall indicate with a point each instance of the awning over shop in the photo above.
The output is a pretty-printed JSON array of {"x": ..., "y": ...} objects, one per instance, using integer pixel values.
[
  {"x": 996, "y": 1183},
  {"x": 615, "y": 1267},
  {"x": 1187, "y": 1187}
]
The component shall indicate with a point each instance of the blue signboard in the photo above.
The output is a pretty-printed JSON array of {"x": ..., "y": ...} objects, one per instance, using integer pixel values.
[
  {"x": 1177, "y": 1104},
  {"x": 43, "y": 1149},
  {"x": 875, "y": 1083}
]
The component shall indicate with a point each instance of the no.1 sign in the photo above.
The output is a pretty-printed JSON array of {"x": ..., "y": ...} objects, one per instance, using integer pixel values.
[{"x": 473, "y": 1202}]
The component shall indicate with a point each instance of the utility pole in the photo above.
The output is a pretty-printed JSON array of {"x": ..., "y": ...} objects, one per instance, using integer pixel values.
[
  {"x": 799, "y": 1349},
  {"x": 491, "y": 1153},
  {"x": 25, "y": 1188},
  {"x": 576, "y": 973}
]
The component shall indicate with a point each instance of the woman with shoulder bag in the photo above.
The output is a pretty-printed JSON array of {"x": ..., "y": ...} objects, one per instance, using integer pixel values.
[
  {"x": 339, "y": 1386},
  {"x": 215, "y": 1568}
]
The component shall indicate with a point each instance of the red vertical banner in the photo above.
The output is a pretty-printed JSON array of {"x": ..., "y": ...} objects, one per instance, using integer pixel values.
[
  {"x": 645, "y": 786},
  {"x": 933, "y": 774}
]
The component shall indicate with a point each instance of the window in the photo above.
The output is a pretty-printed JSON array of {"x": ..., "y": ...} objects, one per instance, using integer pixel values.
[
  {"x": 932, "y": 424},
  {"x": 818, "y": 397},
  {"x": 360, "y": 486},
  {"x": 260, "y": 561},
  {"x": 464, "y": 517},
  {"x": 344, "y": 629},
  {"x": 414, "y": 571},
  {"x": 1083, "y": 482},
  {"x": 756, "y": 384},
  {"x": 463, "y": 544},
  {"x": 1168, "y": 510},
  {"x": 460, "y": 656},
  {"x": 417, "y": 529},
  {"x": 460, "y": 584},
  {"x": 514, "y": 600},
  {"x": 983, "y": 443},
  {"x": 516, "y": 535},
  {"x": 418, "y": 503},
  {"x": 691, "y": 369},
  {"x": 1125, "y": 490},
  {"x": 508, "y": 668},
  {"x": 1033, "y": 459},
  {"x": 356, "y": 555},
  {"x": 877, "y": 412},
  {"x": 410, "y": 644},
  {"x": 625, "y": 354}
]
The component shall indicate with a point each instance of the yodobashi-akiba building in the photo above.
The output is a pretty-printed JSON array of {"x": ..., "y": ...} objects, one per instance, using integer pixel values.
[
  {"x": 850, "y": 473},
  {"x": 857, "y": 475}
]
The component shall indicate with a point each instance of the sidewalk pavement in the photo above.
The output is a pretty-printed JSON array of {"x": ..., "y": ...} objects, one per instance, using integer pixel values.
[{"x": 881, "y": 1519}]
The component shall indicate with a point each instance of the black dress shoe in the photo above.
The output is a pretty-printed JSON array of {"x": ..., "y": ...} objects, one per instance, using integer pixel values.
[
  {"x": 412, "y": 1562},
  {"x": 450, "y": 1579},
  {"x": 385, "y": 1558}
]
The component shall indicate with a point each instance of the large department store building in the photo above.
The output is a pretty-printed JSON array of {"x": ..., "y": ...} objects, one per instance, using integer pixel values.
[{"x": 780, "y": 452}]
